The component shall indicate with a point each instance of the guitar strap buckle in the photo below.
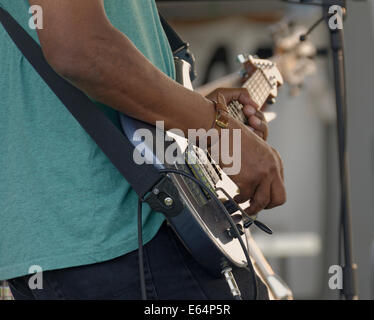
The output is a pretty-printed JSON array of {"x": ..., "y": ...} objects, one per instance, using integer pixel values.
[{"x": 164, "y": 197}]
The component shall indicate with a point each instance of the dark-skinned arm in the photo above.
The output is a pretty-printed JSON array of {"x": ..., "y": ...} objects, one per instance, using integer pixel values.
[{"x": 81, "y": 44}]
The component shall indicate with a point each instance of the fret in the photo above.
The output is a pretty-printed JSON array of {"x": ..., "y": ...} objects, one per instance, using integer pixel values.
[
  {"x": 252, "y": 86},
  {"x": 235, "y": 109},
  {"x": 259, "y": 89}
]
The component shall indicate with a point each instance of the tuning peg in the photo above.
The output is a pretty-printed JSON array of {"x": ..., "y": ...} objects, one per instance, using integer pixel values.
[
  {"x": 271, "y": 101},
  {"x": 242, "y": 58}
]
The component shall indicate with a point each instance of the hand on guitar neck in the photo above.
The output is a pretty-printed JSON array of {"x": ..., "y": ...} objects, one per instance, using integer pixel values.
[
  {"x": 261, "y": 169},
  {"x": 254, "y": 116}
]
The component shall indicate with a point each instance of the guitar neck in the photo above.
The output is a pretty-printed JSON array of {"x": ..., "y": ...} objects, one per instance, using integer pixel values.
[{"x": 259, "y": 89}]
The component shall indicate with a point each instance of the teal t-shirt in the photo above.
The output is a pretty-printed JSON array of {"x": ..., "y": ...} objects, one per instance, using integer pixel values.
[{"x": 62, "y": 203}]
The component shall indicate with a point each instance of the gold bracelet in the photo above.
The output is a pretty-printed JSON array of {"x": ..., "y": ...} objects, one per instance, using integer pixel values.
[{"x": 222, "y": 114}]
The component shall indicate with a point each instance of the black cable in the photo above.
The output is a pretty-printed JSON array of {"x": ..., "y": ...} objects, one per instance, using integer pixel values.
[
  {"x": 228, "y": 216},
  {"x": 310, "y": 30},
  {"x": 140, "y": 251}
]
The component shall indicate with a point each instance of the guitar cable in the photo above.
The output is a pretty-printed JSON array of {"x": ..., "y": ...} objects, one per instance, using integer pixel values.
[
  {"x": 228, "y": 217},
  {"x": 140, "y": 251}
]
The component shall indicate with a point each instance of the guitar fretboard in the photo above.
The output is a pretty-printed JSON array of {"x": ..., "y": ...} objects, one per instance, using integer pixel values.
[{"x": 259, "y": 88}]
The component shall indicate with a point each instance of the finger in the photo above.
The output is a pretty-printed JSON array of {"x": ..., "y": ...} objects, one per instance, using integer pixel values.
[
  {"x": 277, "y": 194},
  {"x": 256, "y": 123},
  {"x": 259, "y": 125},
  {"x": 259, "y": 133},
  {"x": 281, "y": 167},
  {"x": 261, "y": 198},
  {"x": 249, "y": 111},
  {"x": 280, "y": 163},
  {"x": 245, "y": 193},
  {"x": 237, "y": 94},
  {"x": 260, "y": 115}
]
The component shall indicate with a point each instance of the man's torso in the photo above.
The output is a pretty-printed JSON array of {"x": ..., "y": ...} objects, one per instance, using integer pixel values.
[{"x": 62, "y": 203}]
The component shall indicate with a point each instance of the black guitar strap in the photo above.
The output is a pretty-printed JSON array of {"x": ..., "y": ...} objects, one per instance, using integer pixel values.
[
  {"x": 180, "y": 48},
  {"x": 107, "y": 136},
  {"x": 176, "y": 43}
]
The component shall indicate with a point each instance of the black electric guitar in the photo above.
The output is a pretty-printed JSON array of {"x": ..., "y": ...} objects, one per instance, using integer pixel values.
[{"x": 201, "y": 225}]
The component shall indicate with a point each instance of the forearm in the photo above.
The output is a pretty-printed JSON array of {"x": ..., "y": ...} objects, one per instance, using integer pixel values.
[{"x": 110, "y": 69}]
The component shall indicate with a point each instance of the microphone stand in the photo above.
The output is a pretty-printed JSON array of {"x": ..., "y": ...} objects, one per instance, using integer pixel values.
[{"x": 349, "y": 289}]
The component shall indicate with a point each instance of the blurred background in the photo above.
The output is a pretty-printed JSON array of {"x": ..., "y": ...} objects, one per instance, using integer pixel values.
[{"x": 305, "y": 240}]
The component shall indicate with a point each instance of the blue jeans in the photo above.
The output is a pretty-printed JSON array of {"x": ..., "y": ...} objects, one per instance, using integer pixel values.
[{"x": 171, "y": 273}]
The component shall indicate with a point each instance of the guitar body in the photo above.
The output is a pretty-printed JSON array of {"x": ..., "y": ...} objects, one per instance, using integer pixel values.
[{"x": 201, "y": 226}]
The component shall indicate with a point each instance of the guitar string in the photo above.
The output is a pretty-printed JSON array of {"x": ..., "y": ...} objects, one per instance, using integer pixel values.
[{"x": 259, "y": 88}]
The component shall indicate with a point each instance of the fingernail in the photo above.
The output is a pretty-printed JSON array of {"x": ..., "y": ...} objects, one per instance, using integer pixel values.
[
  {"x": 250, "y": 110},
  {"x": 256, "y": 121}
]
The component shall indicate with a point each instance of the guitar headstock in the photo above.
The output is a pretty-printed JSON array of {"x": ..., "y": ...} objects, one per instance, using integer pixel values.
[{"x": 263, "y": 73}]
